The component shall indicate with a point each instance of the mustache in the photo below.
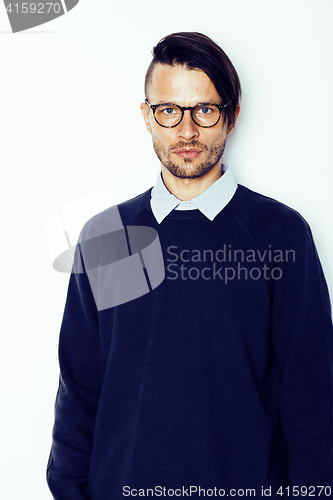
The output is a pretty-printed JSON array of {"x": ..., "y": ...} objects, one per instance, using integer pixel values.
[{"x": 191, "y": 144}]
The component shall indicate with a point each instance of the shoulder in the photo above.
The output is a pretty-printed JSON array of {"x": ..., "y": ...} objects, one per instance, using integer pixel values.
[
  {"x": 115, "y": 217},
  {"x": 265, "y": 216},
  {"x": 130, "y": 209}
]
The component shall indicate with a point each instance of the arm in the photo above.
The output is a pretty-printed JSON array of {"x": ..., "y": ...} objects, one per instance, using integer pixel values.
[
  {"x": 302, "y": 333},
  {"x": 78, "y": 394}
]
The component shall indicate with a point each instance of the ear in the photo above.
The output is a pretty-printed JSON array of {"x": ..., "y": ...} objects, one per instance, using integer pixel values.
[
  {"x": 145, "y": 113},
  {"x": 232, "y": 126}
]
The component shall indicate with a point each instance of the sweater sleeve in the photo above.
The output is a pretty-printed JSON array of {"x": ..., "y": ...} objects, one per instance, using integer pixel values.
[
  {"x": 78, "y": 394},
  {"x": 303, "y": 338}
]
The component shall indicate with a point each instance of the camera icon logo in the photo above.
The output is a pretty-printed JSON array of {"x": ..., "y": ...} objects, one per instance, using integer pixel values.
[{"x": 122, "y": 262}]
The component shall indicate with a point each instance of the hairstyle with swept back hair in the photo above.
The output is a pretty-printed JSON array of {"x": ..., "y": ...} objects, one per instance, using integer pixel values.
[{"x": 198, "y": 51}]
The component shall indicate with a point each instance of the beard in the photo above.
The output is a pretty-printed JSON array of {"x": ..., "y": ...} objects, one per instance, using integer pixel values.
[{"x": 186, "y": 168}]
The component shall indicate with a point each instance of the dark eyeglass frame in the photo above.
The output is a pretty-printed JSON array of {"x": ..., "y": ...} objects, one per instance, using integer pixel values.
[{"x": 189, "y": 108}]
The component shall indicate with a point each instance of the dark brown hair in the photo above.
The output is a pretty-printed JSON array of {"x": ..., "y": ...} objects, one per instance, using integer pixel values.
[{"x": 198, "y": 51}]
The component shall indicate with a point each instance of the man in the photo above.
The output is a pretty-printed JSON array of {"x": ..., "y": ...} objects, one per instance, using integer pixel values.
[{"x": 216, "y": 380}]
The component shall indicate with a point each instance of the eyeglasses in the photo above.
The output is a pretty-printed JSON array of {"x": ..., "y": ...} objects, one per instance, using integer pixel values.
[{"x": 170, "y": 115}]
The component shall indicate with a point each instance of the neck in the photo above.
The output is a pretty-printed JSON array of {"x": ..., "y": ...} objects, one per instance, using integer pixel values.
[{"x": 187, "y": 189}]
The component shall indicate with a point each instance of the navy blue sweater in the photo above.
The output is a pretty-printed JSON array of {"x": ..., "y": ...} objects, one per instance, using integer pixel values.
[{"x": 220, "y": 378}]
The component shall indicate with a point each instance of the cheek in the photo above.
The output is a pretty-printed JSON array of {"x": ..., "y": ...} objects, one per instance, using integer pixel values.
[
  {"x": 211, "y": 140},
  {"x": 160, "y": 138},
  {"x": 219, "y": 138}
]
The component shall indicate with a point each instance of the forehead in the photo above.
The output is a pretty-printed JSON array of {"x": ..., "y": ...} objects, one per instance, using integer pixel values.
[{"x": 181, "y": 85}]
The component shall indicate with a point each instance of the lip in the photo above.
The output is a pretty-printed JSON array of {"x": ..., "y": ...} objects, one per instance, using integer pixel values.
[{"x": 187, "y": 152}]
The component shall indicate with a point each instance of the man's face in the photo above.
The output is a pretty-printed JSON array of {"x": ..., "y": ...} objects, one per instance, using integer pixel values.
[{"x": 187, "y": 150}]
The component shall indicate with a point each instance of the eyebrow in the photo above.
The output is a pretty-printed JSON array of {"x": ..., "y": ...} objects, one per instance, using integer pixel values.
[{"x": 199, "y": 103}]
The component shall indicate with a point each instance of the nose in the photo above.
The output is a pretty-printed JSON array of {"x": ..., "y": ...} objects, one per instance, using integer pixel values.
[{"x": 187, "y": 129}]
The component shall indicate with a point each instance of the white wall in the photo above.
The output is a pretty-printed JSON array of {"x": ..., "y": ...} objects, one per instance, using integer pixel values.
[{"x": 63, "y": 137}]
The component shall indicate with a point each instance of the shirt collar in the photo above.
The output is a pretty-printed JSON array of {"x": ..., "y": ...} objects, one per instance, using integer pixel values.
[{"x": 210, "y": 202}]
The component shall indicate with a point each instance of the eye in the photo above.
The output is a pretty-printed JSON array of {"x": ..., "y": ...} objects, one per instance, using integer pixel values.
[
  {"x": 205, "y": 110},
  {"x": 168, "y": 110}
]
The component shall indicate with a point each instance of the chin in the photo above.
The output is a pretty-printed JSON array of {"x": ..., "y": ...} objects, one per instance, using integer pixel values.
[{"x": 188, "y": 172}]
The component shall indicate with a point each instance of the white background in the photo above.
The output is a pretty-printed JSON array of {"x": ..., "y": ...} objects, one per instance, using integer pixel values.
[{"x": 71, "y": 126}]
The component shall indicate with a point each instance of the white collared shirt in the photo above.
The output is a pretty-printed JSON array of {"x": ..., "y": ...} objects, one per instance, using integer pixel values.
[{"x": 210, "y": 202}]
